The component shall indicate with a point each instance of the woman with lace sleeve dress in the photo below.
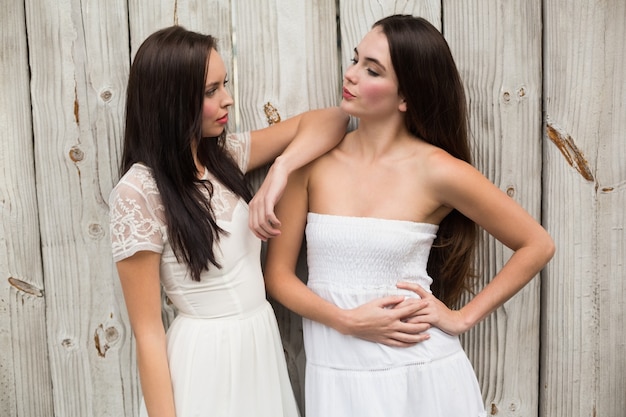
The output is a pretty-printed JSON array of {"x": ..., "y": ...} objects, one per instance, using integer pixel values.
[
  {"x": 179, "y": 219},
  {"x": 391, "y": 210}
]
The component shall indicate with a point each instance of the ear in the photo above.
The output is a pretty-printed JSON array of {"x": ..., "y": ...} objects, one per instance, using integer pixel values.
[{"x": 402, "y": 105}]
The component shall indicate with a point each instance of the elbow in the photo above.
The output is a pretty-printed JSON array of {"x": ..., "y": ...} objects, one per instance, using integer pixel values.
[
  {"x": 552, "y": 249},
  {"x": 148, "y": 338},
  {"x": 548, "y": 248},
  {"x": 269, "y": 278},
  {"x": 281, "y": 284}
]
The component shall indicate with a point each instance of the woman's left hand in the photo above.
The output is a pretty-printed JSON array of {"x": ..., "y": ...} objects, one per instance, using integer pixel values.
[
  {"x": 262, "y": 220},
  {"x": 435, "y": 313}
]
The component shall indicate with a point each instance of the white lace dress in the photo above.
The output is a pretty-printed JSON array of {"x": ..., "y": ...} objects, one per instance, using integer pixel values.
[
  {"x": 224, "y": 350},
  {"x": 353, "y": 260}
]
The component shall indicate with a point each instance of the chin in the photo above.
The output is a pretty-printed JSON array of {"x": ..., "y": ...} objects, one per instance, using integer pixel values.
[
  {"x": 213, "y": 133},
  {"x": 346, "y": 107}
]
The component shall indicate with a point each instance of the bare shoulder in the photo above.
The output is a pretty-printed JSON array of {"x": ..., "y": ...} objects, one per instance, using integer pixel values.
[
  {"x": 450, "y": 181},
  {"x": 441, "y": 168}
]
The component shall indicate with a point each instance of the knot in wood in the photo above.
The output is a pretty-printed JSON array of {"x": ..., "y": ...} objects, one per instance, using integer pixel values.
[
  {"x": 271, "y": 113},
  {"x": 106, "y": 95},
  {"x": 25, "y": 287},
  {"x": 76, "y": 154},
  {"x": 96, "y": 231},
  {"x": 510, "y": 191}
]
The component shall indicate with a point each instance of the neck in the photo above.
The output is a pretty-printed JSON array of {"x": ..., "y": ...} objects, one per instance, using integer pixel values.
[{"x": 374, "y": 139}]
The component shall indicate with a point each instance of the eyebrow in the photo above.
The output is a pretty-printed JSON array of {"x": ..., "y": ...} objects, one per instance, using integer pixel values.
[
  {"x": 215, "y": 83},
  {"x": 369, "y": 59}
]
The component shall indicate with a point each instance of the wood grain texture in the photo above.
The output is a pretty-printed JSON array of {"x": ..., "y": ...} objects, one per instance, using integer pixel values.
[
  {"x": 287, "y": 57},
  {"x": 583, "y": 339},
  {"x": 25, "y": 383},
  {"x": 497, "y": 47},
  {"x": 79, "y": 65}
]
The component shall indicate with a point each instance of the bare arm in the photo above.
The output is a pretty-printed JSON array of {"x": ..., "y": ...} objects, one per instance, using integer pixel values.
[
  {"x": 372, "y": 321},
  {"x": 139, "y": 275},
  {"x": 298, "y": 140},
  {"x": 461, "y": 186}
]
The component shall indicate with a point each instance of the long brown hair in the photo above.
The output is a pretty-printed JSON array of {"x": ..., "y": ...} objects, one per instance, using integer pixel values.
[
  {"x": 164, "y": 101},
  {"x": 430, "y": 84}
]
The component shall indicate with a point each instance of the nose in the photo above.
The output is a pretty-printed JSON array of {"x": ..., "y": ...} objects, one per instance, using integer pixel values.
[
  {"x": 227, "y": 100},
  {"x": 350, "y": 74}
]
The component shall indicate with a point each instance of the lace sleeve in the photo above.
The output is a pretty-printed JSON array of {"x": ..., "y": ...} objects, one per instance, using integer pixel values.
[
  {"x": 238, "y": 144},
  {"x": 136, "y": 215}
]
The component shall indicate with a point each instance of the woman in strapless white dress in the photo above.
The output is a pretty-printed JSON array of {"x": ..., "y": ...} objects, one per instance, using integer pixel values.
[{"x": 390, "y": 213}]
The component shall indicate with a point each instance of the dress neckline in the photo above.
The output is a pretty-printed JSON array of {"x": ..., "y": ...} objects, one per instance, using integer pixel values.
[{"x": 339, "y": 217}]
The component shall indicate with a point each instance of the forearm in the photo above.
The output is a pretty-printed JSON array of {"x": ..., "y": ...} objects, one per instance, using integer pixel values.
[
  {"x": 523, "y": 265},
  {"x": 297, "y": 297},
  {"x": 318, "y": 132},
  {"x": 155, "y": 377},
  {"x": 374, "y": 321}
]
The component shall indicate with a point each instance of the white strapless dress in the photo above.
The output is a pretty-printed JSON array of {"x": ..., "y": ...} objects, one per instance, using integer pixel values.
[{"x": 353, "y": 260}]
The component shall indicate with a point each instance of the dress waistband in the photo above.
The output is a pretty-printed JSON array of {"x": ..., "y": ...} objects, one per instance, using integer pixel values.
[{"x": 239, "y": 315}]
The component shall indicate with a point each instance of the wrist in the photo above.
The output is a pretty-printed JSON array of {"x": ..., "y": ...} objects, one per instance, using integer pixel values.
[
  {"x": 465, "y": 319},
  {"x": 282, "y": 163},
  {"x": 344, "y": 322}
]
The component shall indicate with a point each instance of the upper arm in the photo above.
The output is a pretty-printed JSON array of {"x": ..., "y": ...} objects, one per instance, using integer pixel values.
[
  {"x": 462, "y": 187},
  {"x": 136, "y": 216},
  {"x": 139, "y": 276},
  {"x": 292, "y": 209},
  {"x": 136, "y": 230}
]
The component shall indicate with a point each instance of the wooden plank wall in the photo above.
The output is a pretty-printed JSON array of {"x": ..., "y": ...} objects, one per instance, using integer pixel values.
[
  {"x": 25, "y": 376},
  {"x": 583, "y": 361},
  {"x": 498, "y": 49},
  {"x": 546, "y": 83}
]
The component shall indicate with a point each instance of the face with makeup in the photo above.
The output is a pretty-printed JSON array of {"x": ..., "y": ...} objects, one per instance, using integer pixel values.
[
  {"x": 216, "y": 97},
  {"x": 370, "y": 86}
]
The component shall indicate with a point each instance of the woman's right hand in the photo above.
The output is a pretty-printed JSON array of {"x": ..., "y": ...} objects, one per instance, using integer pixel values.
[
  {"x": 262, "y": 219},
  {"x": 384, "y": 321}
]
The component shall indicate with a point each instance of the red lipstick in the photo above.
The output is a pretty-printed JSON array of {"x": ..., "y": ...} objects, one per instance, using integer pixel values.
[{"x": 347, "y": 94}]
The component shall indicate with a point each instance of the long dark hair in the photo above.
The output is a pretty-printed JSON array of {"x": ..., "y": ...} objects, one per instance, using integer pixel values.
[
  {"x": 430, "y": 84},
  {"x": 164, "y": 101}
]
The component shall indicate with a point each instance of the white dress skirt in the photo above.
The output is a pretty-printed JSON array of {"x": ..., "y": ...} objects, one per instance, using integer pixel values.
[{"x": 353, "y": 260}]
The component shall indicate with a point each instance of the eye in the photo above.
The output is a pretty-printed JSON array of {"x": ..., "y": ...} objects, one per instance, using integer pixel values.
[
  {"x": 372, "y": 72},
  {"x": 210, "y": 92},
  {"x": 354, "y": 61}
]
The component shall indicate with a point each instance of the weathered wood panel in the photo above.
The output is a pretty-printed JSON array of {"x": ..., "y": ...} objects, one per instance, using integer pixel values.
[
  {"x": 286, "y": 55},
  {"x": 79, "y": 63},
  {"x": 583, "y": 340},
  {"x": 212, "y": 17},
  {"x": 497, "y": 46},
  {"x": 25, "y": 384}
]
